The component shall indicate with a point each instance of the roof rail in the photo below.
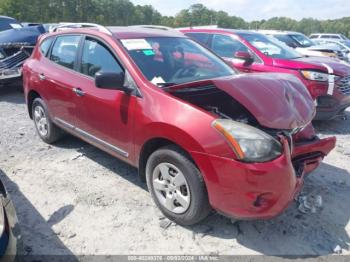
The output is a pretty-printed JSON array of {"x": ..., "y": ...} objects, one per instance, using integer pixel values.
[
  {"x": 101, "y": 28},
  {"x": 160, "y": 27},
  {"x": 199, "y": 27}
]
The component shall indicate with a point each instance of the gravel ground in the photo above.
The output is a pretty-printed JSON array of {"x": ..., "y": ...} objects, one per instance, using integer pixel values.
[{"x": 72, "y": 198}]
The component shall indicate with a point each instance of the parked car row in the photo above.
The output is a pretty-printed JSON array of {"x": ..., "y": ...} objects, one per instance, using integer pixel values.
[
  {"x": 306, "y": 46},
  {"x": 327, "y": 80}
]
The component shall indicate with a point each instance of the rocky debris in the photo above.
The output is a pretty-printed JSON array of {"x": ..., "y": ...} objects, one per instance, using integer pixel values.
[
  {"x": 337, "y": 250},
  {"x": 201, "y": 230},
  {"x": 309, "y": 203},
  {"x": 72, "y": 235},
  {"x": 28, "y": 249},
  {"x": 80, "y": 155},
  {"x": 165, "y": 223}
]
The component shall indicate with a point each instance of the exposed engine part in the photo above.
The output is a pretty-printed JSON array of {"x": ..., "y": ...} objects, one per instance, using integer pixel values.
[{"x": 217, "y": 102}]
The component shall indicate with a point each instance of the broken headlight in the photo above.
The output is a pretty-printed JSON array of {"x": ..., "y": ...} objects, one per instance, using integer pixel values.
[{"x": 249, "y": 144}]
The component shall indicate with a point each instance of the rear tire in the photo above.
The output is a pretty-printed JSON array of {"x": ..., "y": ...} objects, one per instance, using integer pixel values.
[
  {"x": 45, "y": 128},
  {"x": 177, "y": 186}
]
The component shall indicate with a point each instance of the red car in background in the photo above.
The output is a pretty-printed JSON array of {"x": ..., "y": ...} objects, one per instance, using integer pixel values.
[
  {"x": 201, "y": 135},
  {"x": 327, "y": 79}
]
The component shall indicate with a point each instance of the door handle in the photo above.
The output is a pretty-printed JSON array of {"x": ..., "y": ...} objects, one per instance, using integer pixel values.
[
  {"x": 42, "y": 77},
  {"x": 78, "y": 91}
]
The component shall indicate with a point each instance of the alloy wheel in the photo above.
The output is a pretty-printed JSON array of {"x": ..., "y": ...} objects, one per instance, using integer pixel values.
[
  {"x": 171, "y": 188},
  {"x": 40, "y": 120}
]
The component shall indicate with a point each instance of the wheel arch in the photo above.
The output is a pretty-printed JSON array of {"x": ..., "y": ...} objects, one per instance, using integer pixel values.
[
  {"x": 32, "y": 95},
  {"x": 151, "y": 146}
]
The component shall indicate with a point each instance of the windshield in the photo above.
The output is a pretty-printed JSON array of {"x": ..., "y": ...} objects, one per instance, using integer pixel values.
[
  {"x": 302, "y": 40},
  {"x": 346, "y": 43},
  {"x": 7, "y": 23},
  {"x": 270, "y": 46},
  {"x": 171, "y": 60}
]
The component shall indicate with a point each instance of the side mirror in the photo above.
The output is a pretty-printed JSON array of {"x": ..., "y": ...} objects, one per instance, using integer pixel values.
[
  {"x": 246, "y": 56},
  {"x": 111, "y": 80}
]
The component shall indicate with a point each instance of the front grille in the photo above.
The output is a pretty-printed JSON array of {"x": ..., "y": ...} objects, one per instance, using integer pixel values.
[{"x": 344, "y": 85}]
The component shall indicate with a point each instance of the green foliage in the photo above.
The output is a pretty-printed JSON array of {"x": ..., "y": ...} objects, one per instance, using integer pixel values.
[{"x": 123, "y": 12}]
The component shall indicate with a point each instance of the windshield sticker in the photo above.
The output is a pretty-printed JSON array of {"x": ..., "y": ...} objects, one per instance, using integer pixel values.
[
  {"x": 148, "y": 52},
  {"x": 136, "y": 44},
  {"x": 157, "y": 80}
]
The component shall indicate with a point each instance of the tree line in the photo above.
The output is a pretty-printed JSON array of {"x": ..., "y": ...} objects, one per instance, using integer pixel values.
[{"x": 124, "y": 12}]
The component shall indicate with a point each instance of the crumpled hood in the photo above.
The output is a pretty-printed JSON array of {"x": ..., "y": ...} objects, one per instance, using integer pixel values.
[
  {"x": 315, "y": 63},
  {"x": 278, "y": 101}
]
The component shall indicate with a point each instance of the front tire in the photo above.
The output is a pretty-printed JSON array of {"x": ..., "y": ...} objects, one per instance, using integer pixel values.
[
  {"x": 177, "y": 186},
  {"x": 45, "y": 128}
]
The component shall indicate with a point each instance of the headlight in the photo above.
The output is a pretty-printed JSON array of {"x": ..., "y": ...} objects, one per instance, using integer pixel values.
[
  {"x": 1, "y": 56},
  {"x": 315, "y": 76},
  {"x": 249, "y": 144}
]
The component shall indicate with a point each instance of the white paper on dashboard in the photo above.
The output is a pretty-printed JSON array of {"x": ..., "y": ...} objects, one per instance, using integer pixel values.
[{"x": 136, "y": 44}]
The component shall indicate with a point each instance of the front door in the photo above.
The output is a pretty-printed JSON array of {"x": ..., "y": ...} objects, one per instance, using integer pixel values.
[{"x": 105, "y": 116}]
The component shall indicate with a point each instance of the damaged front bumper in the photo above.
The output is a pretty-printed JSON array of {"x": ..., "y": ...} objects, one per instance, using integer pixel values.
[
  {"x": 11, "y": 65},
  {"x": 260, "y": 190}
]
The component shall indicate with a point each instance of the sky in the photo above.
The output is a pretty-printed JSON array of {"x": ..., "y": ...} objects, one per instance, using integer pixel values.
[{"x": 260, "y": 9}]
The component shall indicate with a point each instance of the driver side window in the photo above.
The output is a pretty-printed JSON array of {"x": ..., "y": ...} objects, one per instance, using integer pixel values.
[
  {"x": 96, "y": 57},
  {"x": 225, "y": 46}
]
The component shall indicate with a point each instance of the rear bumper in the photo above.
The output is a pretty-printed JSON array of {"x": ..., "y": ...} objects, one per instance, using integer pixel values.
[{"x": 259, "y": 190}]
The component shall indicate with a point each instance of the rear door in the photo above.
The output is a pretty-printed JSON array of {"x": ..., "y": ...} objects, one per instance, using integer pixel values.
[
  {"x": 104, "y": 116},
  {"x": 59, "y": 78}
]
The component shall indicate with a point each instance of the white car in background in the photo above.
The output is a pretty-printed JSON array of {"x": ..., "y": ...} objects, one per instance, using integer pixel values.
[
  {"x": 328, "y": 36},
  {"x": 305, "y": 46},
  {"x": 344, "y": 45}
]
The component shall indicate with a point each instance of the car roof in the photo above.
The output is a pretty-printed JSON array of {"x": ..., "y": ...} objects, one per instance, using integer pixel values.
[
  {"x": 125, "y": 32},
  {"x": 7, "y": 18},
  {"x": 328, "y": 34},
  {"x": 142, "y": 32},
  {"x": 213, "y": 30},
  {"x": 279, "y": 32}
]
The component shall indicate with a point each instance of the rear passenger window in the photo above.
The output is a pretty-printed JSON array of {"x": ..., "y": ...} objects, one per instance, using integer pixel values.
[
  {"x": 96, "y": 57},
  {"x": 45, "y": 45},
  {"x": 65, "y": 50},
  {"x": 225, "y": 46},
  {"x": 200, "y": 37}
]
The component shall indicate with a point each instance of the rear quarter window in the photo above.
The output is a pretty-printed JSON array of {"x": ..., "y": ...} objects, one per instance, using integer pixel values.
[
  {"x": 64, "y": 50},
  {"x": 45, "y": 46}
]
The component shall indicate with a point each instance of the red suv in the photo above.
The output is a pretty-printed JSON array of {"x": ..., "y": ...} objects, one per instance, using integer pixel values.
[
  {"x": 327, "y": 79},
  {"x": 202, "y": 136}
]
